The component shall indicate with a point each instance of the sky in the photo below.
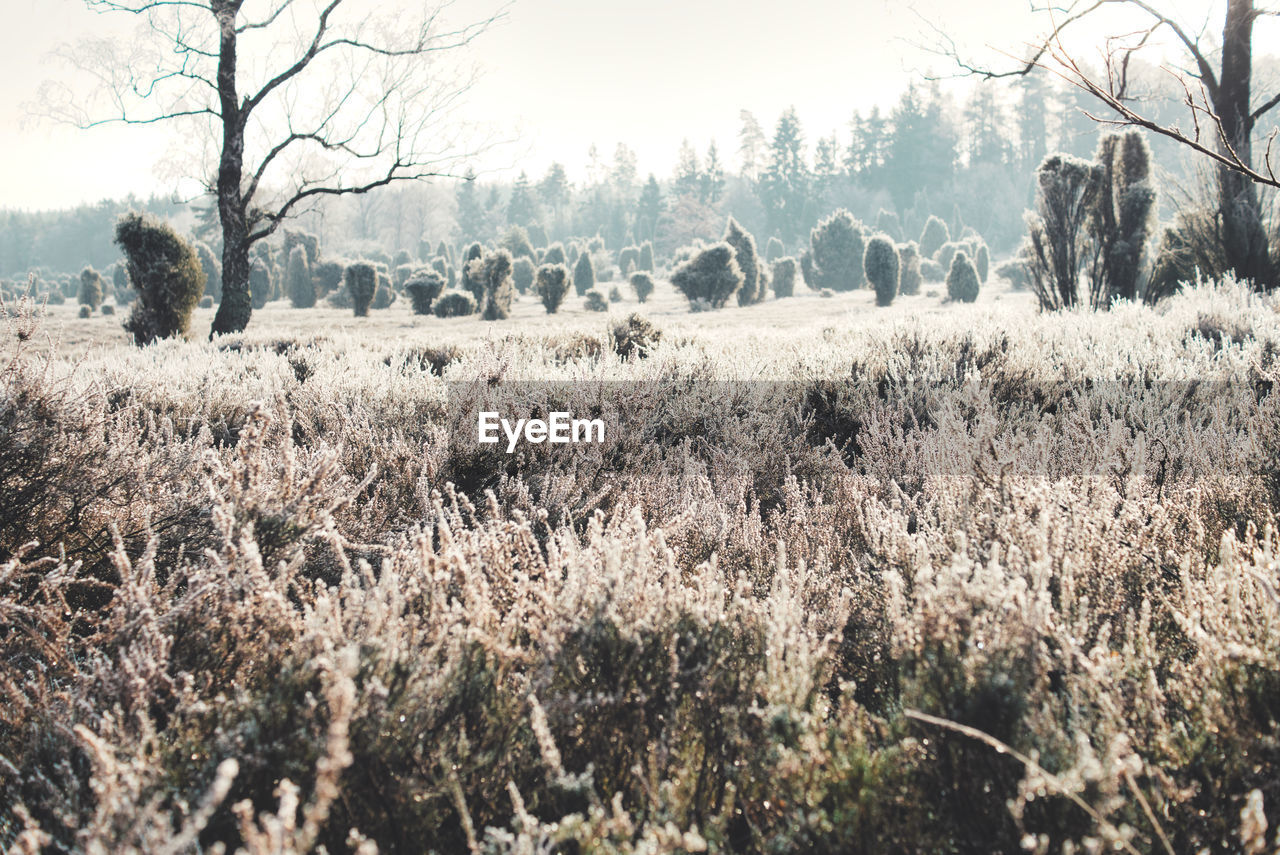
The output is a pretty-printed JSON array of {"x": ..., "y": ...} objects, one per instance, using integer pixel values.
[{"x": 555, "y": 77}]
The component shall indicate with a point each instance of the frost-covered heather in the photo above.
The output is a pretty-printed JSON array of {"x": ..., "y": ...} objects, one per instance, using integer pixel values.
[{"x": 976, "y": 580}]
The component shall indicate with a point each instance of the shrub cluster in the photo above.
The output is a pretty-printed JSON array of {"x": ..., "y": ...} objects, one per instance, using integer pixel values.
[{"x": 165, "y": 274}]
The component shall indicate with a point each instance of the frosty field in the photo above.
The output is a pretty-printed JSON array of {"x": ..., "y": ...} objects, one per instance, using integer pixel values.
[{"x": 930, "y": 578}]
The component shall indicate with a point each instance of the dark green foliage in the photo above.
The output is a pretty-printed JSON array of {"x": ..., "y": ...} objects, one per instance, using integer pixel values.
[
  {"x": 516, "y": 242},
  {"x": 166, "y": 274},
  {"x": 962, "y": 279},
  {"x": 931, "y": 271},
  {"x": 362, "y": 282},
  {"x": 522, "y": 273},
  {"x": 552, "y": 286},
  {"x": 909, "y": 276},
  {"x": 595, "y": 301},
  {"x": 86, "y": 311},
  {"x": 882, "y": 264},
  {"x": 835, "y": 254},
  {"x": 120, "y": 279},
  {"x": 982, "y": 262},
  {"x": 260, "y": 285},
  {"x": 455, "y": 304},
  {"x": 635, "y": 338},
  {"x": 90, "y": 293},
  {"x": 401, "y": 259},
  {"x": 710, "y": 279},
  {"x": 784, "y": 277},
  {"x": 108, "y": 309},
  {"x": 327, "y": 277},
  {"x": 402, "y": 272},
  {"x": 935, "y": 234},
  {"x": 554, "y": 254},
  {"x": 495, "y": 274},
  {"x": 301, "y": 288},
  {"x": 212, "y": 268},
  {"x": 645, "y": 260},
  {"x": 887, "y": 223},
  {"x": 754, "y": 282},
  {"x": 443, "y": 250},
  {"x": 642, "y": 285},
  {"x": 584, "y": 274},
  {"x": 1122, "y": 217},
  {"x": 946, "y": 252},
  {"x": 773, "y": 250},
  {"x": 423, "y": 288}
]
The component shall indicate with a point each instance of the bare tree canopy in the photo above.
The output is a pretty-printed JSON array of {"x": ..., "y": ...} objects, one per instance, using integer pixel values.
[
  {"x": 297, "y": 99},
  {"x": 1223, "y": 112}
]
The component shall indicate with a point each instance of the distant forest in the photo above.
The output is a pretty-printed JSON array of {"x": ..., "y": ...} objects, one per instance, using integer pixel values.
[{"x": 968, "y": 156}]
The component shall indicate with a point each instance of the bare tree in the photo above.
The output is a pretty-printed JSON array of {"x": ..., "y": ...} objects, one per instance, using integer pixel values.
[
  {"x": 1222, "y": 108},
  {"x": 302, "y": 100}
]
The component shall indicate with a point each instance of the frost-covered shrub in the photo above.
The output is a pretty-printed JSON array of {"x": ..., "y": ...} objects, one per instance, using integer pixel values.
[
  {"x": 552, "y": 285},
  {"x": 384, "y": 295},
  {"x": 834, "y": 257},
  {"x": 948, "y": 251},
  {"x": 595, "y": 301},
  {"x": 299, "y": 284},
  {"x": 362, "y": 283},
  {"x": 470, "y": 284},
  {"x": 1122, "y": 218},
  {"x": 494, "y": 273},
  {"x": 962, "y": 279},
  {"x": 1014, "y": 271},
  {"x": 327, "y": 276},
  {"x": 615, "y": 295},
  {"x": 166, "y": 274},
  {"x": 1058, "y": 237},
  {"x": 909, "y": 275},
  {"x": 206, "y": 302},
  {"x": 934, "y": 235},
  {"x": 517, "y": 243},
  {"x": 642, "y": 285},
  {"x": 554, "y": 254},
  {"x": 887, "y": 223},
  {"x": 710, "y": 279},
  {"x": 784, "y": 276},
  {"x": 423, "y": 288},
  {"x": 86, "y": 311},
  {"x": 931, "y": 271},
  {"x": 310, "y": 244},
  {"x": 261, "y": 286},
  {"x": 90, "y": 293},
  {"x": 645, "y": 260},
  {"x": 401, "y": 272},
  {"x": 773, "y": 249},
  {"x": 982, "y": 262},
  {"x": 108, "y": 310},
  {"x": 636, "y": 337},
  {"x": 212, "y": 268},
  {"x": 628, "y": 259},
  {"x": 881, "y": 264},
  {"x": 755, "y": 283},
  {"x": 584, "y": 274},
  {"x": 522, "y": 273},
  {"x": 455, "y": 304}
]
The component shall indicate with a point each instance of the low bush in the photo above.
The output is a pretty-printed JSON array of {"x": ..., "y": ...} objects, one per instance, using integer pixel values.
[{"x": 710, "y": 279}]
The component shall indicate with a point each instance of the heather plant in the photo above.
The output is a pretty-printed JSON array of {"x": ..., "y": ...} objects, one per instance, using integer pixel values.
[
  {"x": 642, "y": 285},
  {"x": 362, "y": 283},
  {"x": 299, "y": 285},
  {"x": 584, "y": 274},
  {"x": 265, "y": 594},
  {"x": 935, "y": 234},
  {"x": 522, "y": 273},
  {"x": 90, "y": 292},
  {"x": 455, "y": 304},
  {"x": 784, "y": 277},
  {"x": 909, "y": 276},
  {"x": 423, "y": 288},
  {"x": 962, "y": 279},
  {"x": 165, "y": 273},
  {"x": 755, "y": 283},
  {"x": 710, "y": 279},
  {"x": 635, "y": 338},
  {"x": 553, "y": 282},
  {"x": 834, "y": 257},
  {"x": 881, "y": 264}
]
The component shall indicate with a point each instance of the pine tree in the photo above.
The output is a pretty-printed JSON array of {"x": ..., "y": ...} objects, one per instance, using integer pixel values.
[
  {"x": 522, "y": 208},
  {"x": 786, "y": 183},
  {"x": 472, "y": 221}
]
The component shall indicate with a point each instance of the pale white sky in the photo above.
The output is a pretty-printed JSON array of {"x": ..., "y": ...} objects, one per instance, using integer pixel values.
[{"x": 558, "y": 75}]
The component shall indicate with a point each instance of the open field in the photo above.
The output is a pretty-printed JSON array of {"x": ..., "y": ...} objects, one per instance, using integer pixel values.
[{"x": 923, "y": 579}]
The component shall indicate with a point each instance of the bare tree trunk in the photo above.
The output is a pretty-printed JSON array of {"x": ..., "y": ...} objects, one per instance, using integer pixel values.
[
  {"x": 1244, "y": 238},
  {"x": 236, "y": 306}
]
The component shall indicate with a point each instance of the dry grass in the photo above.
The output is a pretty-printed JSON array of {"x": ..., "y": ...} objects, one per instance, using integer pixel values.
[{"x": 924, "y": 579}]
